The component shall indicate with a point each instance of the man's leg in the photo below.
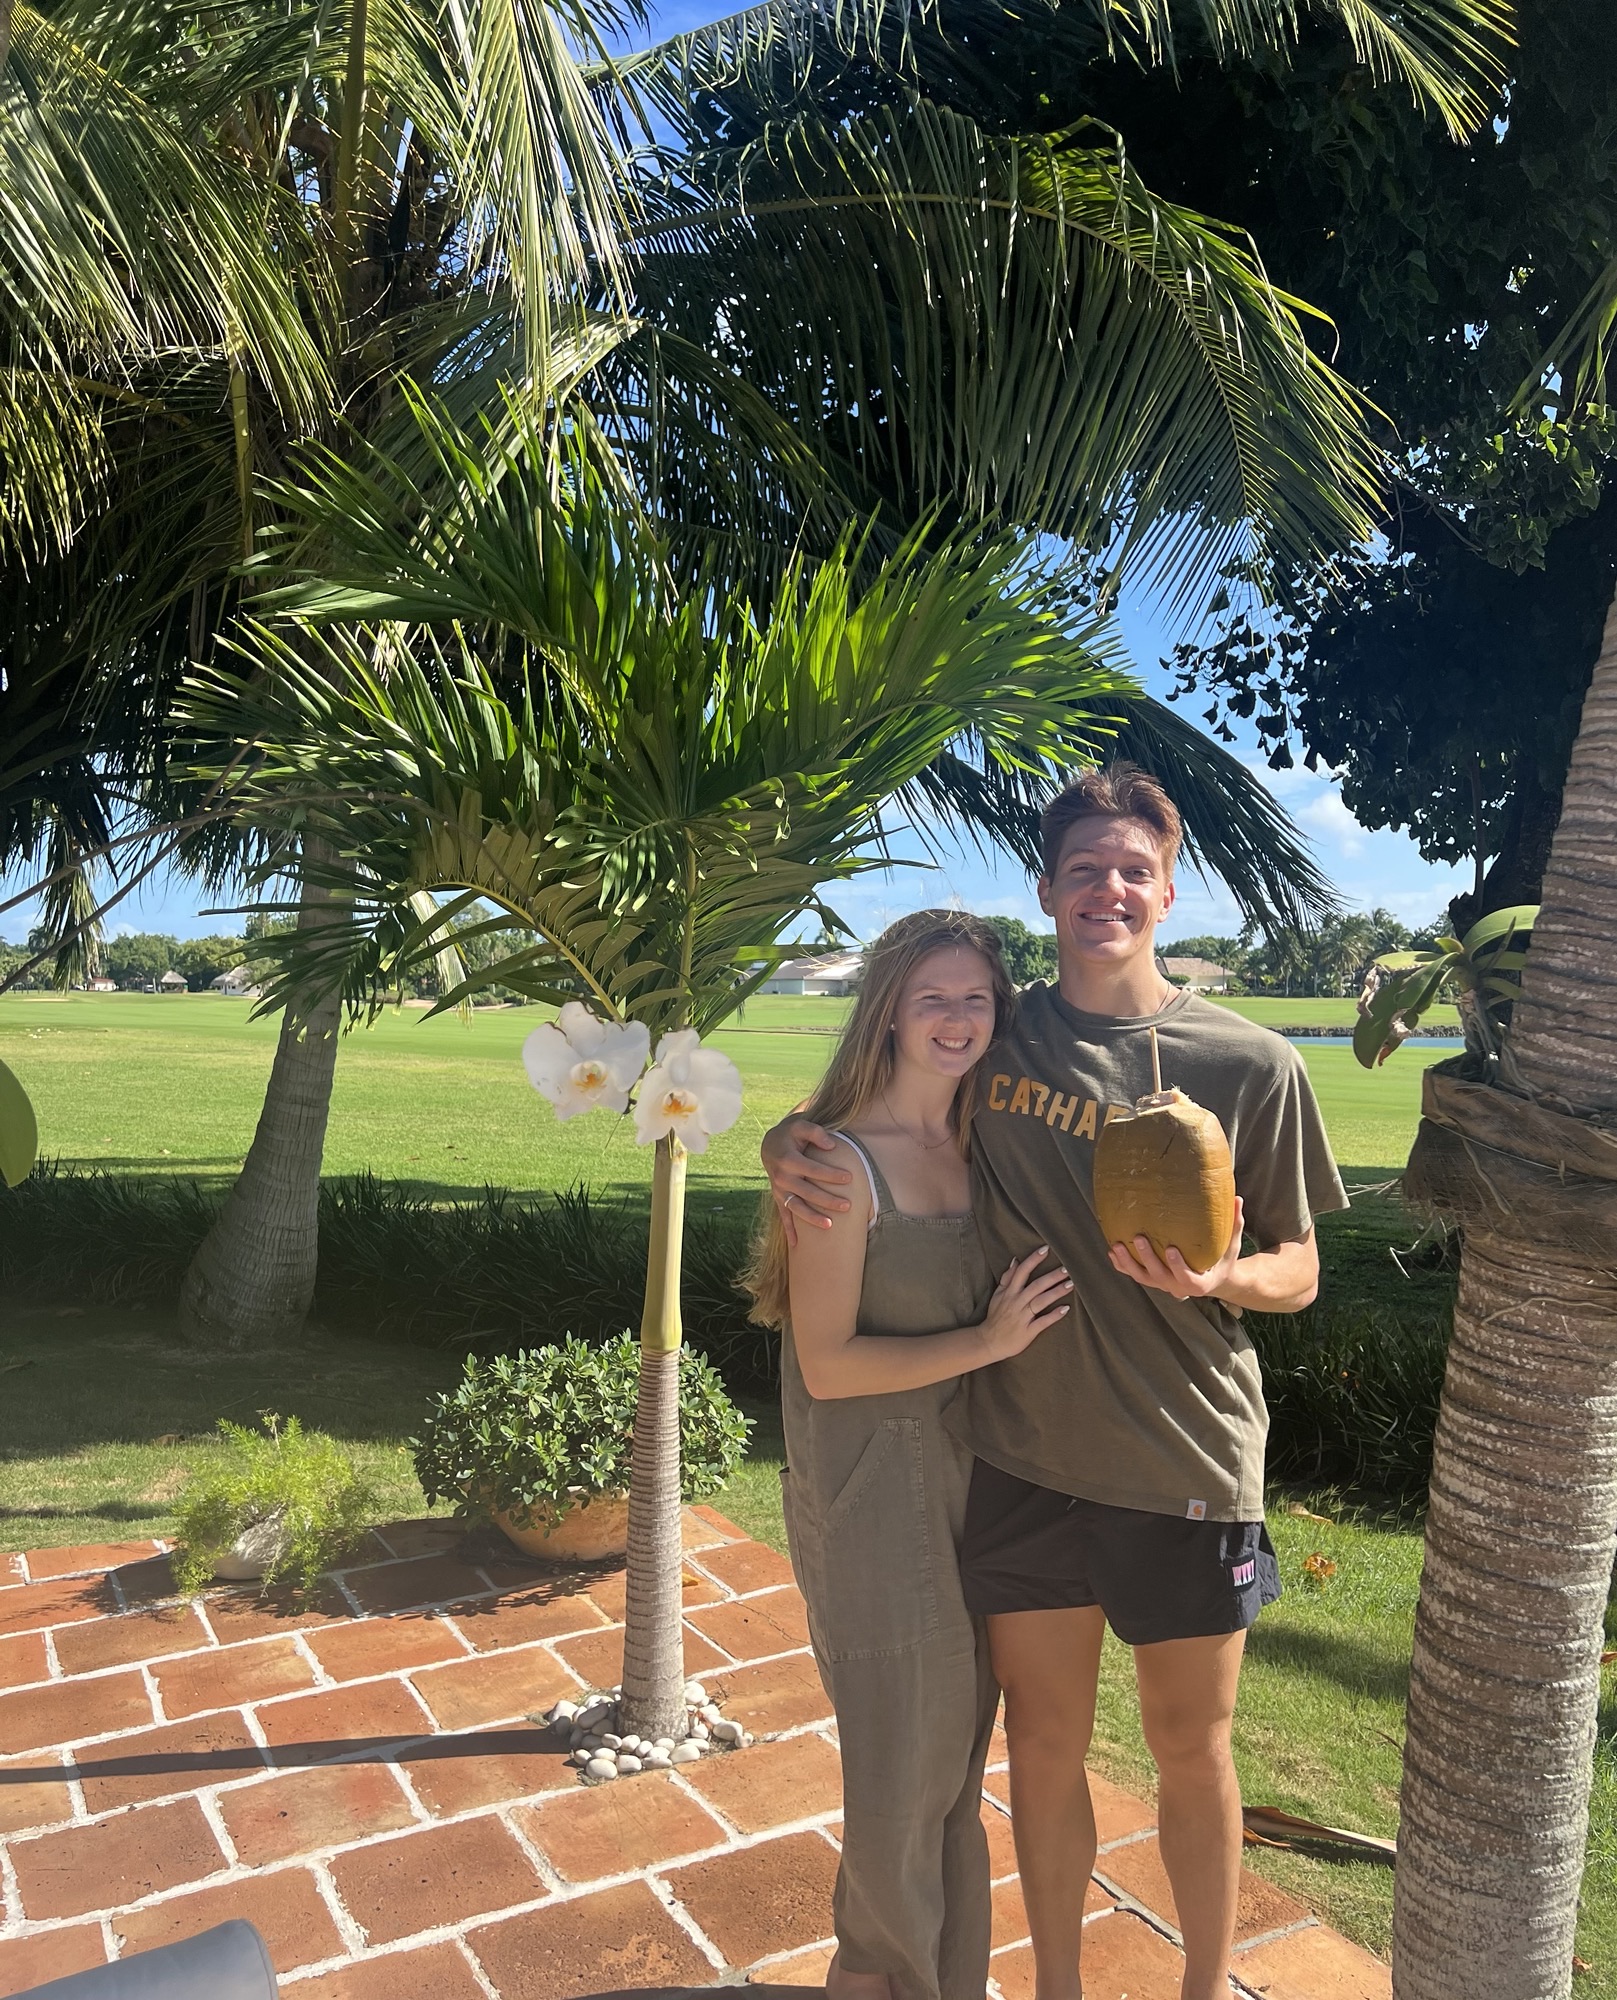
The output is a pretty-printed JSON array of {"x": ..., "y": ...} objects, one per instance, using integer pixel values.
[
  {"x": 1187, "y": 1699},
  {"x": 1048, "y": 1663}
]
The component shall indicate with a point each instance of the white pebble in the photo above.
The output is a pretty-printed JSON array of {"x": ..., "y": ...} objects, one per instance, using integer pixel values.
[
  {"x": 664, "y": 1743},
  {"x": 698, "y": 1732},
  {"x": 592, "y": 1741},
  {"x": 710, "y": 1713},
  {"x": 695, "y": 1693},
  {"x": 627, "y": 1765},
  {"x": 686, "y": 1753},
  {"x": 657, "y": 1760},
  {"x": 727, "y": 1732},
  {"x": 600, "y": 1767},
  {"x": 582, "y": 1757},
  {"x": 631, "y": 1744},
  {"x": 612, "y": 1741},
  {"x": 564, "y": 1711}
]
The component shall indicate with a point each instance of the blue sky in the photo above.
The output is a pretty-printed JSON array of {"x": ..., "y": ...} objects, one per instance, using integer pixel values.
[{"x": 1368, "y": 869}]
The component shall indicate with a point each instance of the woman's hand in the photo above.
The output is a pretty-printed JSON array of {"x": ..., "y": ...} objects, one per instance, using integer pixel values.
[
  {"x": 1171, "y": 1274},
  {"x": 803, "y": 1187},
  {"x": 1024, "y": 1305}
]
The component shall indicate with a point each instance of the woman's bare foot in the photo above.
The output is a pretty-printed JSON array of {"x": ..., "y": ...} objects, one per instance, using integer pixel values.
[{"x": 841, "y": 1984}]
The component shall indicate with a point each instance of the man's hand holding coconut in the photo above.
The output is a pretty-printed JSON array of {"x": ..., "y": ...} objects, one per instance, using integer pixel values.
[{"x": 1119, "y": 1459}]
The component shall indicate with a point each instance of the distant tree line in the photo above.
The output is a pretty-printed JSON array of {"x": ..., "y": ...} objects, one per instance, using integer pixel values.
[{"x": 1325, "y": 962}]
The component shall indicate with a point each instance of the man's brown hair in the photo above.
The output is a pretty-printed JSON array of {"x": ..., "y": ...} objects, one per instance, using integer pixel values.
[{"x": 1114, "y": 791}]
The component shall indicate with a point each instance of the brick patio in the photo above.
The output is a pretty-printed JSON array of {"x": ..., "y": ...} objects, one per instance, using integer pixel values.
[{"x": 358, "y": 1779}]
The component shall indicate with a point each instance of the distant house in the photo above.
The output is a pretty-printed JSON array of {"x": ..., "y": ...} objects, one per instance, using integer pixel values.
[
  {"x": 174, "y": 982},
  {"x": 833, "y": 974},
  {"x": 237, "y": 982},
  {"x": 1201, "y": 975},
  {"x": 103, "y": 986}
]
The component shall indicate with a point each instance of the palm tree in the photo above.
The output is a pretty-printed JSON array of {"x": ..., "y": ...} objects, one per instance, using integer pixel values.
[
  {"x": 1505, "y": 1684},
  {"x": 436, "y": 197},
  {"x": 666, "y": 782}
]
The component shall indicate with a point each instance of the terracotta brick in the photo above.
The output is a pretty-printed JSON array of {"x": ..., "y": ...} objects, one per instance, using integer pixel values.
[
  {"x": 238, "y": 1615},
  {"x": 11, "y": 1572},
  {"x": 29, "y": 1962},
  {"x": 1138, "y": 1869},
  {"x": 607, "y": 1591},
  {"x": 753, "y": 1628},
  {"x": 441, "y": 1875},
  {"x": 33, "y": 1792},
  {"x": 421, "y": 1536},
  {"x": 1123, "y": 1959},
  {"x": 706, "y": 1526},
  {"x": 617, "y": 1939},
  {"x": 43, "y": 1563},
  {"x": 309, "y": 1810},
  {"x": 744, "y": 1566},
  {"x": 771, "y": 1784},
  {"x": 436, "y": 1972},
  {"x": 143, "y": 1582},
  {"x": 1118, "y": 1813},
  {"x": 65, "y": 1711},
  {"x": 756, "y": 1901},
  {"x": 516, "y": 1618},
  {"x": 228, "y": 1676},
  {"x": 599, "y": 1830},
  {"x": 1313, "y": 1964},
  {"x": 115, "y": 1861},
  {"x": 492, "y": 1688},
  {"x": 383, "y": 1646},
  {"x": 286, "y": 1909},
  {"x": 597, "y": 1657},
  {"x": 314, "y": 1728},
  {"x": 454, "y": 1774},
  {"x": 137, "y": 1635},
  {"x": 421, "y": 1580},
  {"x": 803, "y": 1968},
  {"x": 30, "y": 1607},
  {"x": 998, "y": 1786},
  {"x": 1001, "y": 1843},
  {"x": 23, "y": 1660},
  {"x": 780, "y": 1694},
  {"x": 183, "y": 1757}
]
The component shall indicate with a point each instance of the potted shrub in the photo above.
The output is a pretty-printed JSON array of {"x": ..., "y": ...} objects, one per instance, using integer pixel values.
[
  {"x": 279, "y": 1502},
  {"x": 539, "y": 1442}
]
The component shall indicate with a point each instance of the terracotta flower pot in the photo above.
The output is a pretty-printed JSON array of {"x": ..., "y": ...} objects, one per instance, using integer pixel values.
[{"x": 587, "y": 1532}]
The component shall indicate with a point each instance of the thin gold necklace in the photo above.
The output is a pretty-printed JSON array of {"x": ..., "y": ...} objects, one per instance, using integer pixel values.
[{"x": 926, "y": 1145}]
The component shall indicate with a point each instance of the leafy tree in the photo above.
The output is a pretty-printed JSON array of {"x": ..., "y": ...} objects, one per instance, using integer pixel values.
[
  {"x": 139, "y": 957},
  {"x": 671, "y": 788},
  {"x": 1029, "y": 954}
]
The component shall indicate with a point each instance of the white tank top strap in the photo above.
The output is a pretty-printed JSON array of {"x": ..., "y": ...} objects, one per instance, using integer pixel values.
[{"x": 870, "y": 1175}]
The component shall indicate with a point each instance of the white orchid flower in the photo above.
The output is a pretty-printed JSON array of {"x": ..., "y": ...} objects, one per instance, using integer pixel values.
[
  {"x": 689, "y": 1091},
  {"x": 583, "y": 1063}
]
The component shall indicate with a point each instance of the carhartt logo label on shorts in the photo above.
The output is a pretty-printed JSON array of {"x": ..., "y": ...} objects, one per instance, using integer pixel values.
[
  {"x": 1243, "y": 1573},
  {"x": 1196, "y": 1510}
]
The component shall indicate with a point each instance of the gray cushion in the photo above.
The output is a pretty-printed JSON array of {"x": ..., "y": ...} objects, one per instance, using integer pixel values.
[{"x": 227, "y": 1963}]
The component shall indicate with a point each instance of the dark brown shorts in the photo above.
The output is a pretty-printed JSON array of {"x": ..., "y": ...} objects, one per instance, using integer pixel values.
[{"x": 1155, "y": 1576}]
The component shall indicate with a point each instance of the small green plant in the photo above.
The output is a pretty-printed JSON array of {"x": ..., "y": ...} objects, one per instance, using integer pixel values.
[
  {"x": 1482, "y": 970},
  {"x": 301, "y": 1481},
  {"x": 534, "y": 1433}
]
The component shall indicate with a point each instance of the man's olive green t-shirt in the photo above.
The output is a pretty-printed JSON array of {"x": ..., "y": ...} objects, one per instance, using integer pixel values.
[{"x": 1135, "y": 1399}]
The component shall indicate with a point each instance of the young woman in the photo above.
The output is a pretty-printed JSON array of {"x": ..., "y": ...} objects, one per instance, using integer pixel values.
[{"x": 881, "y": 1315}]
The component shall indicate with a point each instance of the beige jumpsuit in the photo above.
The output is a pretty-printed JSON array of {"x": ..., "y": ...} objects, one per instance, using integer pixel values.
[{"x": 875, "y": 1493}]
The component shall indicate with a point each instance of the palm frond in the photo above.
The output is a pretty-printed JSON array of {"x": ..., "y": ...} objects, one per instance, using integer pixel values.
[{"x": 1017, "y": 329}]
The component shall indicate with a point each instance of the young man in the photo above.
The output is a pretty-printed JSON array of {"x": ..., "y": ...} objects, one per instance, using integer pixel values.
[{"x": 1119, "y": 1472}]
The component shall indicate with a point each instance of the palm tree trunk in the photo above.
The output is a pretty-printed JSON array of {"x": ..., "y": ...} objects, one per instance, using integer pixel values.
[
  {"x": 1505, "y": 1679},
  {"x": 253, "y": 1276},
  {"x": 653, "y": 1702}
]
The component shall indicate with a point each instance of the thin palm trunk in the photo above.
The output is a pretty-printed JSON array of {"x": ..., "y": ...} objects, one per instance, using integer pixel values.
[
  {"x": 252, "y": 1279},
  {"x": 653, "y": 1701},
  {"x": 1505, "y": 1679}
]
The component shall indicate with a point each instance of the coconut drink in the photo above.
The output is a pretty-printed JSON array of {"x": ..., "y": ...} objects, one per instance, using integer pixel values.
[{"x": 1163, "y": 1171}]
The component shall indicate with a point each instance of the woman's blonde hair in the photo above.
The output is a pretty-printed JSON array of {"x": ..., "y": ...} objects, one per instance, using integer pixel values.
[{"x": 861, "y": 1065}]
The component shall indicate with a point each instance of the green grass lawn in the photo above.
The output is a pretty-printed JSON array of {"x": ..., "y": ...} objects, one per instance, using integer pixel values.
[{"x": 142, "y": 1084}]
